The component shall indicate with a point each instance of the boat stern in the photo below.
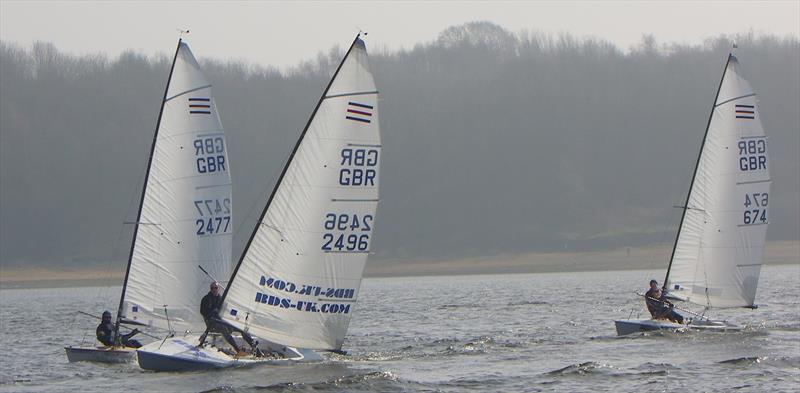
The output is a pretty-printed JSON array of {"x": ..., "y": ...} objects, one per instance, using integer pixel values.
[{"x": 100, "y": 354}]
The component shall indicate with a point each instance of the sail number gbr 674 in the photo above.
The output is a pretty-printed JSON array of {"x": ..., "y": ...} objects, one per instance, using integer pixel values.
[{"x": 753, "y": 157}]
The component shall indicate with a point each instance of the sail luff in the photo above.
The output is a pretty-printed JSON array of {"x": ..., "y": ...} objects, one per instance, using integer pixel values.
[
  {"x": 144, "y": 188},
  {"x": 286, "y": 168},
  {"x": 694, "y": 174}
]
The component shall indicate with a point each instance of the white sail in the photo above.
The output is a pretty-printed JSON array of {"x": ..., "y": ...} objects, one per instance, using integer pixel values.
[
  {"x": 185, "y": 218},
  {"x": 299, "y": 277},
  {"x": 717, "y": 258}
]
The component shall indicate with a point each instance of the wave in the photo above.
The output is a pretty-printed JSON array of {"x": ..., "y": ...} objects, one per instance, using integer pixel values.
[
  {"x": 744, "y": 360},
  {"x": 786, "y": 361},
  {"x": 594, "y": 368},
  {"x": 365, "y": 382},
  {"x": 528, "y": 303},
  {"x": 579, "y": 369},
  {"x": 444, "y": 347},
  {"x": 510, "y": 304},
  {"x": 446, "y": 306}
]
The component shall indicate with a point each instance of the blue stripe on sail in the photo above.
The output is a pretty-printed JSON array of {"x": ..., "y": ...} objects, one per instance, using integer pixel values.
[
  {"x": 358, "y": 119},
  {"x": 360, "y": 105}
]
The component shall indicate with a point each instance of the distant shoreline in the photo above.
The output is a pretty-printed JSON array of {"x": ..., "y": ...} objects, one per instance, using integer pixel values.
[{"x": 647, "y": 258}]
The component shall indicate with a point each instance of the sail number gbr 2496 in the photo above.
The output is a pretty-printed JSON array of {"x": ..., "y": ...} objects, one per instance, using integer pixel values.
[
  {"x": 359, "y": 167},
  {"x": 346, "y": 232}
]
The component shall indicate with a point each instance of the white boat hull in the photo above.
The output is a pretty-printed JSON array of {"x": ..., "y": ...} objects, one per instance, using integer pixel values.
[
  {"x": 183, "y": 354},
  {"x": 630, "y": 326},
  {"x": 101, "y": 354}
]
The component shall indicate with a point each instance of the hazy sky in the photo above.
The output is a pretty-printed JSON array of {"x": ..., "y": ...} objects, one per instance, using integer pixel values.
[{"x": 282, "y": 33}]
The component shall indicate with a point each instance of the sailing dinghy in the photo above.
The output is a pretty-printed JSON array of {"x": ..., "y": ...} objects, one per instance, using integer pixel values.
[
  {"x": 184, "y": 216},
  {"x": 716, "y": 258},
  {"x": 297, "y": 281}
]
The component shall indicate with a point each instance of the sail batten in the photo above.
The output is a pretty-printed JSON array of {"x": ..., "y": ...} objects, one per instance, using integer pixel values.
[
  {"x": 185, "y": 211},
  {"x": 298, "y": 279},
  {"x": 717, "y": 256}
]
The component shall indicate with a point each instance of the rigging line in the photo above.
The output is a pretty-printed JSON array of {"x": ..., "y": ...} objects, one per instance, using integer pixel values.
[
  {"x": 207, "y": 134},
  {"x": 708, "y": 299},
  {"x": 186, "y": 92},
  {"x": 734, "y": 99},
  {"x": 753, "y": 182},
  {"x": 360, "y": 93},
  {"x": 174, "y": 179},
  {"x": 167, "y": 133},
  {"x": 213, "y": 186}
]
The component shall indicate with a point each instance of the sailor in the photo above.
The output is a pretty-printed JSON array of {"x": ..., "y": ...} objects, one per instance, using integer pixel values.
[
  {"x": 209, "y": 308},
  {"x": 106, "y": 335},
  {"x": 658, "y": 305}
]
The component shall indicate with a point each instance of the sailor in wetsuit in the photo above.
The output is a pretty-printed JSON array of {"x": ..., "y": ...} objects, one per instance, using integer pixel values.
[
  {"x": 209, "y": 308},
  {"x": 658, "y": 305},
  {"x": 105, "y": 333}
]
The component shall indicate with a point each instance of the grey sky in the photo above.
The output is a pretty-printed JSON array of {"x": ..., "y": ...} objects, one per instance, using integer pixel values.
[{"x": 283, "y": 33}]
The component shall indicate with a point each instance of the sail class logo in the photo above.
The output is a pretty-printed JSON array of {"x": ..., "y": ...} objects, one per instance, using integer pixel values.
[
  {"x": 745, "y": 111},
  {"x": 200, "y": 106},
  {"x": 359, "y": 112}
]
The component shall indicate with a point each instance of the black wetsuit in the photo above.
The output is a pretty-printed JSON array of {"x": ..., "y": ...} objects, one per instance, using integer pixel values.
[
  {"x": 105, "y": 334},
  {"x": 210, "y": 305},
  {"x": 209, "y": 309},
  {"x": 659, "y": 307},
  {"x": 653, "y": 300}
]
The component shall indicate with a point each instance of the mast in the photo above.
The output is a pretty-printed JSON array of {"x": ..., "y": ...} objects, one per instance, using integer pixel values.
[
  {"x": 694, "y": 174},
  {"x": 144, "y": 189},
  {"x": 286, "y": 168}
]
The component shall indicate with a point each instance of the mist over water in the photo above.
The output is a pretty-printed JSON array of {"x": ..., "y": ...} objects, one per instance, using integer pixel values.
[
  {"x": 531, "y": 332},
  {"x": 494, "y": 142}
]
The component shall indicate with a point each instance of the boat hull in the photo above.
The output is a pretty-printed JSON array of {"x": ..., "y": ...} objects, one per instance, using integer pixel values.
[
  {"x": 631, "y": 326},
  {"x": 183, "y": 354},
  {"x": 101, "y": 354}
]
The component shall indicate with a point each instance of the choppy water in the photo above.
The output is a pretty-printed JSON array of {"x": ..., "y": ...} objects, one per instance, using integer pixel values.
[{"x": 536, "y": 332}]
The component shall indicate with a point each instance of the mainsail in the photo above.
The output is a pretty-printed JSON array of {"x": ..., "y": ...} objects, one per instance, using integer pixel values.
[
  {"x": 298, "y": 279},
  {"x": 718, "y": 251},
  {"x": 185, "y": 213}
]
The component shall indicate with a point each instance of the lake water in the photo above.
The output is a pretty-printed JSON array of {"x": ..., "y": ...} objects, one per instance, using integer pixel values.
[{"x": 534, "y": 332}]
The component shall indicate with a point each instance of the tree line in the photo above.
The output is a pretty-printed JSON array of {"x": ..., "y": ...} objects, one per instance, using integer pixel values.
[{"x": 495, "y": 142}]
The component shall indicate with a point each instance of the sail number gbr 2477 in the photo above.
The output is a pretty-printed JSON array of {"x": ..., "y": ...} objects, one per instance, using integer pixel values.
[
  {"x": 214, "y": 216},
  {"x": 210, "y": 154}
]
